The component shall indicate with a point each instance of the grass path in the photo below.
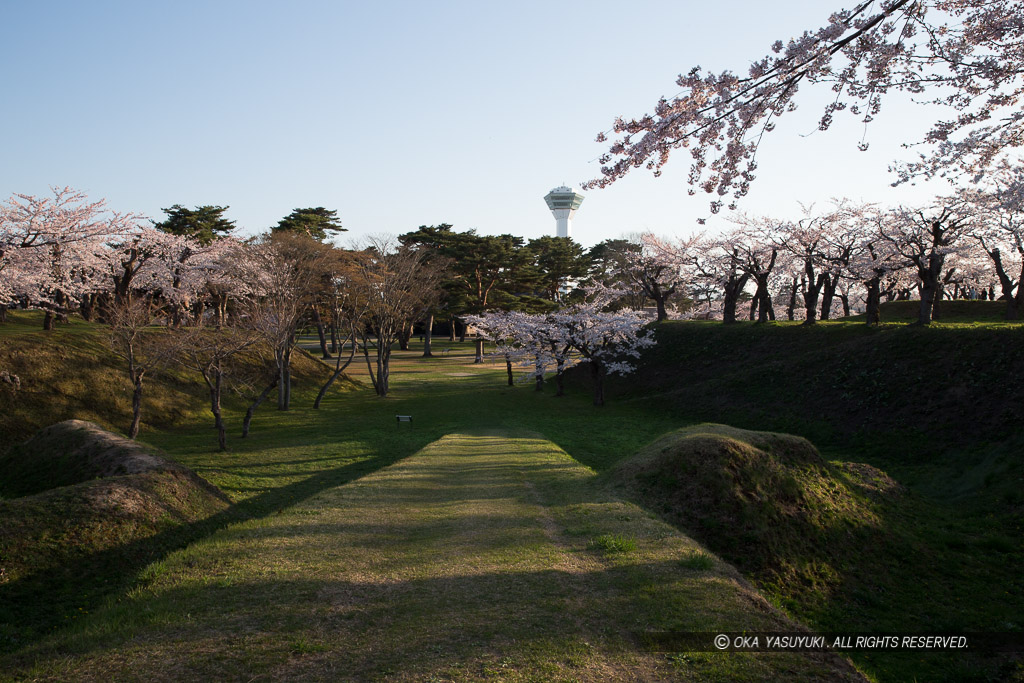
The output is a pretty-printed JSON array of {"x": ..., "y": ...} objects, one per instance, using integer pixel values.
[{"x": 483, "y": 556}]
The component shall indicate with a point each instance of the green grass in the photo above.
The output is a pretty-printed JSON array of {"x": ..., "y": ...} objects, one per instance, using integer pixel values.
[
  {"x": 449, "y": 565},
  {"x": 613, "y": 543},
  {"x": 945, "y": 424},
  {"x": 935, "y": 408}
]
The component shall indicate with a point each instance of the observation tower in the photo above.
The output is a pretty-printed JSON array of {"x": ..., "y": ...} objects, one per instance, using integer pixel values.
[{"x": 563, "y": 202}]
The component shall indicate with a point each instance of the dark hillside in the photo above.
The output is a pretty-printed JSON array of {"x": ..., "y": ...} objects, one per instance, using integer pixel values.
[
  {"x": 841, "y": 380},
  {"x": 933, "y": 412}
]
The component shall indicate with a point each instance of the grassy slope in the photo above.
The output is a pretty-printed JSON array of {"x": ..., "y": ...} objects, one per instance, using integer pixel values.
[
  {"x": 87, "y": 508},
  {"x": 291, "y": 457},
  {"x": 844, "y": 381},
  {"x": 767, "y": 501},
  {"x": 69, "y": 372},
  {"x": 936, "y": 408},
  {"x": 474, "y": 558}
]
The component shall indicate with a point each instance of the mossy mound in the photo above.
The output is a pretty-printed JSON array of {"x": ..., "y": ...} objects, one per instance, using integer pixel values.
[
  {"x": 76, "y": 451},
  {"x": 767, "y": 502},
  {"x": 60, "y": 546}
]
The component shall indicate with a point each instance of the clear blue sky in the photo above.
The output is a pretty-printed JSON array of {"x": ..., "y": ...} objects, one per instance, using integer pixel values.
[{"x": 398, "y": 114}]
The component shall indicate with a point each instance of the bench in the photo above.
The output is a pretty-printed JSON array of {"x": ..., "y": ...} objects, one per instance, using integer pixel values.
[{"x": 403, "y": 418}]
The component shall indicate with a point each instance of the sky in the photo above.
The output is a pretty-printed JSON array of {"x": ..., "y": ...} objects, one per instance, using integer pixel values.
[{"x": 401, "y": 114}]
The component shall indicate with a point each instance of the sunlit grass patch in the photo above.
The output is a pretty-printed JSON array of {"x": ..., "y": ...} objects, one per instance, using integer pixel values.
[{"x": 613, "y": 543}]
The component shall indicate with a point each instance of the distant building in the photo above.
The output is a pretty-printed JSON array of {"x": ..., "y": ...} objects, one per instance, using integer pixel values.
[{"x": 563, "y": 202}]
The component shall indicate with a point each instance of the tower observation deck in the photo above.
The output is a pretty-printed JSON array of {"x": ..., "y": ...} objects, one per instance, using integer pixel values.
[{"x": 563, "y": 202}]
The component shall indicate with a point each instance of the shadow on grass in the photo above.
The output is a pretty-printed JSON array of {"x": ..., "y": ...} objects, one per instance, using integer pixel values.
[
  {"x": 34, "y": 605},
  {"x": 573, "y": 623}
]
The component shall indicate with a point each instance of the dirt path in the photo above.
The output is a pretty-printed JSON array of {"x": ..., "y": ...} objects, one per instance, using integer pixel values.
[{"x": 480, "y": 557}]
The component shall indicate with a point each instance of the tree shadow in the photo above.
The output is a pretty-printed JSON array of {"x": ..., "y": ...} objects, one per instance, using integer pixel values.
[{"x": 38, "y": 603}]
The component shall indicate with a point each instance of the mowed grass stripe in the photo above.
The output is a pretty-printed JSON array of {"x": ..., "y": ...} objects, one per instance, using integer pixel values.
[{"x": 481, "y": 556}]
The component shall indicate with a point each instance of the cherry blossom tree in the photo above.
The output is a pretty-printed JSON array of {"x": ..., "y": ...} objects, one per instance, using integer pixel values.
[
  {"x": 347, "y": 312},
  {"x": 545, "y": 342},
  {"x": 716, "y": 263},
  {"x": 509, "y": 331},
  {"x": 873, "y": 261},
  {"x": 805, "y": 239},
  {"x": 999, "y": 231},
  {"x": 607, "y": 341},
  {"x": 55, "y": 247},
  {"x": 655, "y": 269},
  {"x": 966, "y": 55},
  {"x": 186, "y": 269},
  {"x": 924, "y": 239}
]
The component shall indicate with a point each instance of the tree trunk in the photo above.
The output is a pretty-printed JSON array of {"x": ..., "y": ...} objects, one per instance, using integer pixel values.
[
  {"x": 924, "y": 311},
  {"x": 811, "y": 292},
  {"x": 765, "y": 310},
  {"x": 662, "y": 313},
  {"x": 61, "y": 311},
  {"x": 404, "y": 334},
  {"x": 324, "y": 353},
  {"x": 133, "y": 430},
  {"x": 218, "y": 421},
  {"x": 479, "y": 350},
  {"x": 338, "y": 369},
  {"x": 369, "y": 367},
  {"x": 48, "y": 320},
  {"x": 929, "y": 275},
  {"x": 791, "y": 308},
  {"x": 87, "y": 307},
  {"x": 827, "y": 294},
  {"x": 288, "y": 378},
  {"x": 508, "y": 369},
  {"x": 560, "y": 378},
  {"x": 256, "y": 404},
  {"x": 383, "y": 369},
  {"x": 1006, "y": 284},
  {"x": 733, "y": 289},
  {"x": 282, "y": 398},
  {"x": 451, "y": 331},
  {"x": 197, "y": 311},
  {"x": 427, "y": 333},
  {"x": 874, "y": 300},
  {"x": 462, "y": 333},
  {"x": 334, "y": 338},
  {"x": 597, "y": 375},
  {"x": 3, "y": 313}
]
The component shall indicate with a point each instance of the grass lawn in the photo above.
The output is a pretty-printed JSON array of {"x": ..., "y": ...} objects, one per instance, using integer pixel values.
[
  {"x": 501, "y": 557},
  {"x": 478, "y": 557}
]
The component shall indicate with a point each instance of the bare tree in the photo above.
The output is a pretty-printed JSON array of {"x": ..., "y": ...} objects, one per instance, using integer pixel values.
[
  {"x": 143, "y": 350},
  {"x": 397, "y": 284},
  {"x": 347, "y": 310},
  {"x": 214, "y": 354},
  {"x": 284, "y": 272}
]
